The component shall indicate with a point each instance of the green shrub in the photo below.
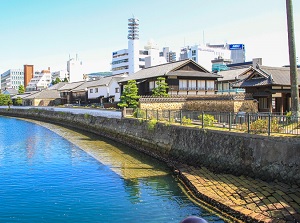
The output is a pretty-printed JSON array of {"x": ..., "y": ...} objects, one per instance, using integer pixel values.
[
  {"x": 152, "y": 124},
  {"x": 261, "y": 126},
  {"x": 209, "y": 120},
  {"x": 186, "y": 121},
  {"x": 87, "y": 116},
  {"x": 138, "y": 113},
  {"x": 289, "y": 116}
]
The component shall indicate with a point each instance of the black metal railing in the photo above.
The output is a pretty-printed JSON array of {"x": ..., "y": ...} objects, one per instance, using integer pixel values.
[{"x": 256, "y": 123}]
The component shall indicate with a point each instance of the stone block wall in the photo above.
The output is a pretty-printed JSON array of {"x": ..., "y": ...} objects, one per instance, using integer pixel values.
[
  {"x": 201, "y": 104},
  {"x": 266, "y": 158}
]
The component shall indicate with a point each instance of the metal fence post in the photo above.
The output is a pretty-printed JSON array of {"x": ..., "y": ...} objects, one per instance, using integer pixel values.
[
  {"x": 146, "y": 114},
  {"x": 180, "y": 117},
  {"x": 169, "y": 116},
  {"x": 230, "y": 121},
  {"x": 248, "y": 122},
  {"x": 202, "y": 119},
  {"x": 157, "y": 114},
  {"x": 269, "y": 124}
]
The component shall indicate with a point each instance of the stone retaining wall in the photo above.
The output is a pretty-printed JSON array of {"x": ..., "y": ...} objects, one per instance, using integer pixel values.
[
  {"x": 199, "y": 104},
  {"x": 267, "y": 158}
]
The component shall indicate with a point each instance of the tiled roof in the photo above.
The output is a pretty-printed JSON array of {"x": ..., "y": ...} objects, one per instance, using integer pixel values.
[
  {"x": 57, "y": 86},
  {"x": 83, "y": 86},
  {"x": 264, "y": 75},
  {"x": 159, "y": 70},
  {"x": 70, "y": 86},
  {"x": 26, "y": 94},
  {"x": 45, "y": 94},
  {"x": 230, "y": 75},
  {"x": 102, "y": 81},
  {"x": 184, "y": 73},
  {"x": 11, "y": 91}
]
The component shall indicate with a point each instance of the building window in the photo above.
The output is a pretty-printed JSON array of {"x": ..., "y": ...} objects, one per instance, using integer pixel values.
[
  {"x": 210, "y": 85},
  {"x": 263, "y": 103},
  {"x": 192, "y": 85},
  {"x": 182, "y": 84},
  {"x": 194, "y": 58},
  {"x": 193, "y": 52},
  {"x": 201, "y": 85},
  {"x": 117, "y": 90},
  {"x": 151, "y": 85},
  {"x": 91, "y": 90},
  {"x": 96, "y": 90}
]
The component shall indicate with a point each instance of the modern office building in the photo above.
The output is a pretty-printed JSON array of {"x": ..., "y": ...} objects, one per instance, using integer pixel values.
[
  {"x": 41, "y": 80},
  {"x": 238, "y": 54},
  {"x": 133, "y": 59},
  {"x": 203, "y": 55},
  {"x": 12, "y": 78},
  {"x": 170, "y": 56}
]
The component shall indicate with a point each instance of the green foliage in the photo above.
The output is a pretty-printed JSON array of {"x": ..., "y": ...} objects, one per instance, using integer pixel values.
[
  {"x": 56, "y": 81},
  {"x": 5, "y": 100},
  {"x": 261, "y": 126},
  {"x": 151, "y": 124},
  {"x": 209, "y": 120},
  {"x": 66, "y": 80},
  {"x": 129, "y": 97},
  {"x": 87, "y": 116},
  {"x": 138, "y": 113},
  {"x": 18, "y": 101},
  {"x": 289, "y": 116},
  {"x": 186, "y": 121},
  {"x": 161, "y": 89},
  {"x": 21, "y": 89}
]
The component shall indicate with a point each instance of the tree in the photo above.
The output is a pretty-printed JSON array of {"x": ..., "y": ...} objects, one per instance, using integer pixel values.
[
  {"x": 161, "y": 89},
  {"x": 129, "y": 97},
  {"x": 21, "y": 89},
  {"x": 18, "y": 101},
  {"x": 56, "y": 81},
  {"x": 5, "y": 99},
  {"x": 292, "y": 55}
]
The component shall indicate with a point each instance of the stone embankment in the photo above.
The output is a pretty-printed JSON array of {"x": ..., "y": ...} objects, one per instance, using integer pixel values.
[{"x": 230, "y": 170}]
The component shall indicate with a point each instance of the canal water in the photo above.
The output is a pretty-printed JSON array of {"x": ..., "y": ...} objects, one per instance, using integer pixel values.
[{"x": 53, "y": 174}]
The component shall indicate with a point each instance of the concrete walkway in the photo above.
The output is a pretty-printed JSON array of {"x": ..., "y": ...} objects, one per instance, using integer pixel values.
[{"x": 248, "y": 199}]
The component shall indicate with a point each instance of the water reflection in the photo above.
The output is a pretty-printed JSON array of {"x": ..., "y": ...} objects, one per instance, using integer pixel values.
[{"x": 42, "y": 171}]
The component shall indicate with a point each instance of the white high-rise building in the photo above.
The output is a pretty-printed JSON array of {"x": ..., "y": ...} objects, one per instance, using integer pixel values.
[
  {"x": 133, "y": 59},
  {"x": 75, "y": 70},
  {"x": 12, "y": 78}
]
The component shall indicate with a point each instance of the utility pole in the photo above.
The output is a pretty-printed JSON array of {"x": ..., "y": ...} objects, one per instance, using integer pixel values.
[{"x": 292, "y": 55}]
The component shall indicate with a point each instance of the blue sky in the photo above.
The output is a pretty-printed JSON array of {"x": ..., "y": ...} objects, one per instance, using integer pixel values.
[{"x": 45, "y": 32}]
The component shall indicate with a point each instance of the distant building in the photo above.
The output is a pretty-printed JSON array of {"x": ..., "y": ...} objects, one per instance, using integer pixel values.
[
  {"x": 40, "y": 81},
  {"x": 238, "y": 54},
  {"x": 203, "y": 55},
  {"x": 170, "y": 56},
  {"x": 28, "y": 74},
  {"x": 61, "y": 74},
  {"x": 75, "y": 70},
  {"x": 237, "y": 51},
  {"x": 98, "y": 75},
  {"x": 133, "y": 59},
  {"x": 12, "y": 78}
]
